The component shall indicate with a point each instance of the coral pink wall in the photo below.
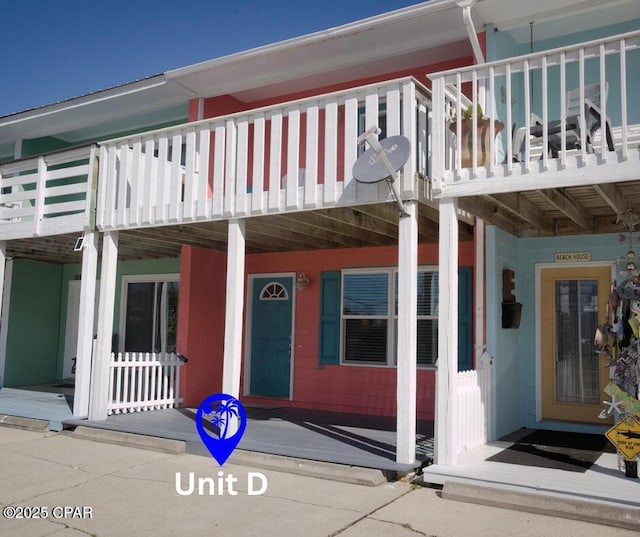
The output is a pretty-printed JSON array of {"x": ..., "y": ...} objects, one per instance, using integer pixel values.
[
  {"x": 227, "y": 104},
  {"x": 201, "y": 322},
  {"x": 357, "y": 389}
]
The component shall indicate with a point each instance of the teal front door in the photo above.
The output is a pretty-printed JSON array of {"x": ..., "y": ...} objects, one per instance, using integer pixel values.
[{"x": 271, "y": 336}]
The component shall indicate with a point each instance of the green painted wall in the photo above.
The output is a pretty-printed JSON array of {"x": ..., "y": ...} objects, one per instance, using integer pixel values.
[
  {"x": 73, "y": 272},
  {"x": 119, "y": 133},
  {"x": 36, "y": 146},
  {"x": 33, "y": 331},
  {"x": 7, "y": 151},
  {"x": 38, "y": 314}
]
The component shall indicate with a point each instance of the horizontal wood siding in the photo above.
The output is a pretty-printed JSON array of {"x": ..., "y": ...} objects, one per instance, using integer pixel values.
[{"x": 340, "y": 388}]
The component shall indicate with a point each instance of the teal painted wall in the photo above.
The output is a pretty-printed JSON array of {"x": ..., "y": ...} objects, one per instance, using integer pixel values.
[
  {"x": 500, "y": 45},
  {"x": 592, "y": 69},
  {"x": 503, "y": 344},
  {"x": 515, "y": 350},
  {"x": 33, "y": 329}
]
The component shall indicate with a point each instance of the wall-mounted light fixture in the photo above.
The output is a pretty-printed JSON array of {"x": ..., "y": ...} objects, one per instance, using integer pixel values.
[
  {"x": 79, "y": 244},
  {"x": 302, "y": 281}
]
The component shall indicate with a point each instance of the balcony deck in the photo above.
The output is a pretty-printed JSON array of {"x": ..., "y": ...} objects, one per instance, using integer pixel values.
[
  {"x": 551, "y": 184},
  {"x": 48, "y": 195},
  {"x": 287, "y": 158}
]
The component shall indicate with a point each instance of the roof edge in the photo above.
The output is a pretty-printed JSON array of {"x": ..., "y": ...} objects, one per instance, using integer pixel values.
[
  {"x": 88, "y": 98},
  {"x": 432, "y": 6}
]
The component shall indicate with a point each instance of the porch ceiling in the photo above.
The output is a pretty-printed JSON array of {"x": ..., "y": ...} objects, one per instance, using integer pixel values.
[
  {"x": 348, "y": 227},
  {"x": 560, "y": 211}
]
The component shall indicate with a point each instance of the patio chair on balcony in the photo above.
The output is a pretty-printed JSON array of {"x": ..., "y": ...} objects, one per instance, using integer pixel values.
[{"x": 593, "y": 119}]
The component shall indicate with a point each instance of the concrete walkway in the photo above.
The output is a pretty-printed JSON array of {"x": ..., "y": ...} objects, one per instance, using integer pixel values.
[{"x": 130, "y": 491}]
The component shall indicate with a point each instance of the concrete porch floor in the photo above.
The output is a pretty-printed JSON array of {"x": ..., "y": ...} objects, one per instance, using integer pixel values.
[
  {"x": 50, "y": 402},
  {"x": 352, "y": 440},
  {"x": 603, "y": 482}
]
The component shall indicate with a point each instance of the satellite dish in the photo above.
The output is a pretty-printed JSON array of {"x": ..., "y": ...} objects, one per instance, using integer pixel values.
[{"x": 370, "y": 168}]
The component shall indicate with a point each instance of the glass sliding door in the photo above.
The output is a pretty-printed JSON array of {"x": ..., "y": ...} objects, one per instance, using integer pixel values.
[{"x": 151, "y": 314}]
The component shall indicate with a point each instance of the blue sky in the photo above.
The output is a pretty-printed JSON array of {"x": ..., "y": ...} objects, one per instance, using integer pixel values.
[{"x": 57, "y": 49}]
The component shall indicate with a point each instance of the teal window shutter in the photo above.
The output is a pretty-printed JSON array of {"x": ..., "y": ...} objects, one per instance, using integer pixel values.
[
  {"x": 465, "y": 318},
  {"x": 329, "y": 348}
]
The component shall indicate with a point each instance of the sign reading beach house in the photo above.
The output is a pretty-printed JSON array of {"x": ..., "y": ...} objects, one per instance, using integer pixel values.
[{"x": 572, "y": 257}]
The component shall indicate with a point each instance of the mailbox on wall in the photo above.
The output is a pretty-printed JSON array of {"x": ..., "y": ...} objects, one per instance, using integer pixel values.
[{"x": 511, "y": 310}]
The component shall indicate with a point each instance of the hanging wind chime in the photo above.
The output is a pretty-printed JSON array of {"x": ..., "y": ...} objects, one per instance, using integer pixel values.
[{"x": 618, "y": 341}]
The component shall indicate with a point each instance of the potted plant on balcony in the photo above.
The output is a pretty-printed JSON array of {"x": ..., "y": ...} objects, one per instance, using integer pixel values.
[{"x": 465, "y": 140}]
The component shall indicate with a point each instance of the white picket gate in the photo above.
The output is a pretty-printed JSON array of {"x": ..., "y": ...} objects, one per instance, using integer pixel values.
[
  {"x": 473, "y": 406},
  {"x": 143, "y": 381}
]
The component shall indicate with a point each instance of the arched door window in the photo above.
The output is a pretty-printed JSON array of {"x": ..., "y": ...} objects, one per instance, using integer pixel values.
[{"x": 274, "y": 291}]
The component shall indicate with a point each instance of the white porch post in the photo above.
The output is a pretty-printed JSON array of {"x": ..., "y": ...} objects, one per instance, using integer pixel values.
[
  {"x": 3, "y": 314},
  {"x": 234, "y": 308},
  {"x": 479, "y": 291},
  {"x": 100, "y": 370},
  {"x": 85, "y": 325},
  {"x": 445, "y": 437},
  {"x": 407, "y": 334}
]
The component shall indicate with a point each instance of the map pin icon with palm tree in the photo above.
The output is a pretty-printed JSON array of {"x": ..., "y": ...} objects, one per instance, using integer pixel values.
[{"x": 221, "y": 421}]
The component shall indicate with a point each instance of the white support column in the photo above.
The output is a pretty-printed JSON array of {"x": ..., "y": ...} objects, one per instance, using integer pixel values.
[
  {"x": 407, "y": 335},
  {"x": 3, "y": 315},
  {"x": 100, "y": 370},
  {"x": 234, "y": 308},
  {"x": 85, "y": 325},
  {"x": 479, "y": 292},
  {"x": 445, "y": 441}
]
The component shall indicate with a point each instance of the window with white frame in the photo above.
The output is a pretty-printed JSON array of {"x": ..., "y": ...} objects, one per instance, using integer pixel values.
[
  {"x": 149, "y": 321},
  {"x": 369, "y": 316}
]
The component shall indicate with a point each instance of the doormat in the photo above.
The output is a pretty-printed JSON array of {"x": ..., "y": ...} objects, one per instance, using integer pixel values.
[{"x": 573, "y": 452}]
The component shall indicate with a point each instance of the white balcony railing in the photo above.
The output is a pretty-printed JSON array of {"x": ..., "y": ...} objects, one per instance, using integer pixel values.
[
  {"x": 554, "y": 107},
  {"x": 287, "y": 157},
  {"x": 47, "y": 195}
]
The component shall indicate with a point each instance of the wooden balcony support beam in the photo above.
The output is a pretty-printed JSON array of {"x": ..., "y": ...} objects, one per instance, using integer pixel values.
[
  {"x": 523, "y": 209},
  {"x": 613, "y": 196},
  {"x": 569, "y": 206}
]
